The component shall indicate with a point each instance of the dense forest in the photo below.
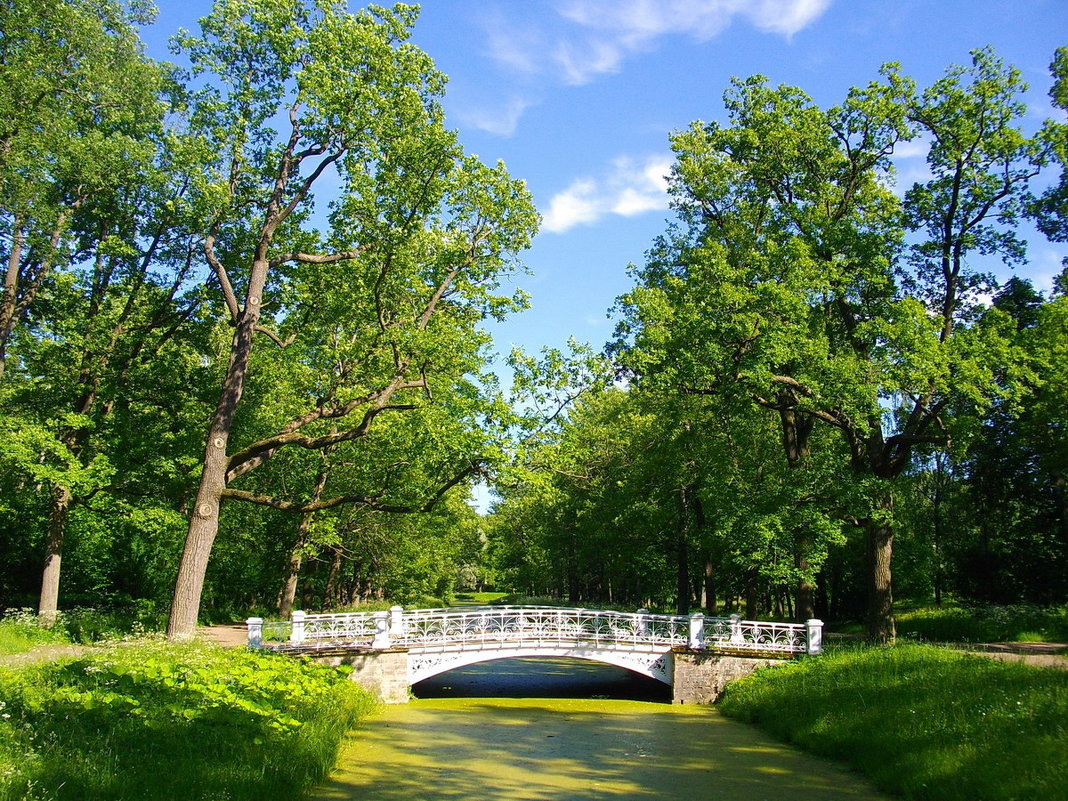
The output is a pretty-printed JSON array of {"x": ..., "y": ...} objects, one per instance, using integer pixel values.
[{"x": 244, "y": 364}]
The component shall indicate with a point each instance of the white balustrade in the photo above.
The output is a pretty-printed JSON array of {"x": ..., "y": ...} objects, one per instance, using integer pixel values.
[{"x": 532, "y": 626}]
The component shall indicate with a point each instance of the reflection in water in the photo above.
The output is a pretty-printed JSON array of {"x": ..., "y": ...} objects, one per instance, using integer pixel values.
[
  {"x": 578, "y": 749},
  {"x": 543, "y": 678}
]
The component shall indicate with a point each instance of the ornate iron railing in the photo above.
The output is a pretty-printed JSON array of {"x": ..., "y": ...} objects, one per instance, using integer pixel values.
[{"x": 531, "y": 627}]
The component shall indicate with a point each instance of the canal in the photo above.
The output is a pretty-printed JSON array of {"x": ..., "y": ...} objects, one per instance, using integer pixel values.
[{"x": 570, "y": 730}]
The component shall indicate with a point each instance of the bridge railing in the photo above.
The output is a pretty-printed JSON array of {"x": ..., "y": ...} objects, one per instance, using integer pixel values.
[{"x": 531, "y": 626}]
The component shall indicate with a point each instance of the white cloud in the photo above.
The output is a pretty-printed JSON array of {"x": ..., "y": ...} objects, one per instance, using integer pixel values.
[
  {"x": 603, "y": 33},
  {"x": 500, "y": 120},
  {"x": 628, "y": 188},
  {"x": 910, "y": 164},
  {"x": 1046, "y": 264},
  {"x": 786, "y": 17}
]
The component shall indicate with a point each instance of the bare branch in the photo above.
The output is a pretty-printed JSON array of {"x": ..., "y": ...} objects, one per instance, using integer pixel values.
[
  {"x": 362, "y": 500},
  {"x": 312, "y": 258},
  {"x": 277, "y": 340}
]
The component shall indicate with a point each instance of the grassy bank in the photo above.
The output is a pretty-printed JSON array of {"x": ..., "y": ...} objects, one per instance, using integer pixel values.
[
  {"x": 920, "y": 721},
  {"x": 160, "y": 721}
]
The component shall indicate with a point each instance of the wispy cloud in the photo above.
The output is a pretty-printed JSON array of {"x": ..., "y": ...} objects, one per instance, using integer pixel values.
[
  {"x": 500, "y": 119},
  {"x": 599, "y": 35},
  {"x": 573, "y": 42},
  {"x": 910, "y": 164},
  {"x": 629, "y": 187}
]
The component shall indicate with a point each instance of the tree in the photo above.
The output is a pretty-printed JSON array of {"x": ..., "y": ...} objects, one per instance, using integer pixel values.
[
  {"x": 379, "y": 316},
  {"x": 798, "y": 279},
  {"x": 80, "y": 104},
  {"x": 94, "y": 250}
]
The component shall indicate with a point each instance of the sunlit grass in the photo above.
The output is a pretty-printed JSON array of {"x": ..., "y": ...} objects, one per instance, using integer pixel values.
[
  {"x": 925, "y": 722},
  {"x": 19, "y": 632},
  {"x": 984, "y": 623},
  {"x": 159, "y": 721}
]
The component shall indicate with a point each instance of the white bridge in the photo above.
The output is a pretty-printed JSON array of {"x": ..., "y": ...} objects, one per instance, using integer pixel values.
[{"x": 437, "y": 640}]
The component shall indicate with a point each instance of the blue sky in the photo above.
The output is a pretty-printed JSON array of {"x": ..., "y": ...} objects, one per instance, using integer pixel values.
[{"x": 578, "y": 98}]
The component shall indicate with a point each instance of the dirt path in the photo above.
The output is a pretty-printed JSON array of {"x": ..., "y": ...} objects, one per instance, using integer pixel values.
[
  {"x": 1041, "y": 654},
  {"x": 228, "y": 635}
]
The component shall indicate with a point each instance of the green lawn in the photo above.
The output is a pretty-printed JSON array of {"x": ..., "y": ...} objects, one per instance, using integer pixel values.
[{"x": 923, "y": 722}]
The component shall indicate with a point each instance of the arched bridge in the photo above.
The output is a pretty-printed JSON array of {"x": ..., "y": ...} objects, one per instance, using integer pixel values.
[{"x": 433, "y": 641}]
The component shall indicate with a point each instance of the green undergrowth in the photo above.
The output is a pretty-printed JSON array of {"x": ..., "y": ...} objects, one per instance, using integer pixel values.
[
  {"x": 923, "y": 722},
  {"x": 481, "y": 598},
  {"x": 159, "y": 721},
  {"x": 19, "y": 632},
  {"x": 986, "y": 623}
]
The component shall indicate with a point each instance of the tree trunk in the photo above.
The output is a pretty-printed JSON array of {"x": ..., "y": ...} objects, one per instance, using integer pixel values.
[
  {"x": 331, "y": 589},
  {"x": 682, "y": 571},
  {"x": 289, "y": 589},
  {"x": 880, "y": 540},
  {"x": 204, "y": 522},
  {"x": 10, "y": 296},
  {"x": 572, "y": 570},
  {"x": 708, "y": 595},
  {"x": 751, "y": 596},
  {"x": 806, "y": 607},
  {"x": 682, "y": 553},
  {"x": 48, "y": 607}
]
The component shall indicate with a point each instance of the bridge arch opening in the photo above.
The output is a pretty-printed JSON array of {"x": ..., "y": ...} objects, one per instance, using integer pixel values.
[{"x": 542, "y": 677}]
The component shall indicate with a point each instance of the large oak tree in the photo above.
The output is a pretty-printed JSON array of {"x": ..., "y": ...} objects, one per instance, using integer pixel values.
[
  {"x": 797, "y": 277},
  {"x": 379, "y": 315}
]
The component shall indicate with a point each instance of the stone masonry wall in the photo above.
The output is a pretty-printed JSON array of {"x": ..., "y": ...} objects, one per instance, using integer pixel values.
[
  {"x": 700, "y": 676},
  {"x": 384, "y": 673}
]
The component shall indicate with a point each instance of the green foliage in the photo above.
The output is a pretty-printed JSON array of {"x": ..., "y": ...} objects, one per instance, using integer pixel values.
[
  {"x": 159, "y": 721},
  {"x": 925, "y": 723}
]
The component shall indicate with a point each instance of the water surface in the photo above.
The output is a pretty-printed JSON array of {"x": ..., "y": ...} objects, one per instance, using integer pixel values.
[{"x": 578, "y": 749}]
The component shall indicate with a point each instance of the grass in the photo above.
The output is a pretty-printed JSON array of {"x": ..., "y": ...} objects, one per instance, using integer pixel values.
[
  {"x": 156, "y": 720},
  {"x": 480, "y": 598},
  {"x": 19, "y": 632},
  {"x": 985, "y": 623},
  {"x": 923, "y": 722}
]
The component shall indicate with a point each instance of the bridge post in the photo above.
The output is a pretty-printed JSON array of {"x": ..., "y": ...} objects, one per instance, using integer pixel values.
[
  {"x": 296, "y": 634},
  {"x": 814, "y": 629},
  {"x": 255, "y": 632},
  {"x": 736, "y": 630},
  {"x": 396, "y": 622},
  {"x": 697, "y": 631},
  {"x": 641, "y": 624},
  {"x": 381, "y": 641}
]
